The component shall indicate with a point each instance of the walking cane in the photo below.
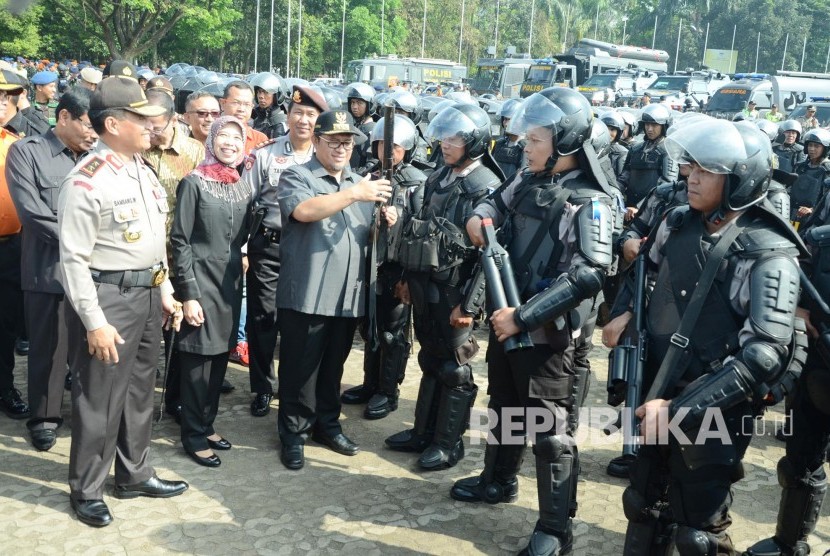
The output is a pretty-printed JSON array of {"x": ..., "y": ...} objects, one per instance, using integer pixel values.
[{"x": 176, "y": 316}]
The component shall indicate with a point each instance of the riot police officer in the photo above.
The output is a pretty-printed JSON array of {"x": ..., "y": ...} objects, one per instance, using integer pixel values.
[
  {"x": 359, "y": 97},
  {"x": 813, "y": 175},
  {"x": 777, "y": 193},
  {"x": 789, "y": 152},
  {"x": 508, "y": 150},
  {"x": 647, "y": 164},
  {"x": 556, "y": 220},
  {"x": 801, "y": 471},
  {"x": 726, "y": 358},
  {"x": 410, "y": 106},
  {"x": 270, "y": 92},
  {"x": 619, "y": 153},
  {"x": 439, "y": 261},
  {"x": 384, "y": 365}
]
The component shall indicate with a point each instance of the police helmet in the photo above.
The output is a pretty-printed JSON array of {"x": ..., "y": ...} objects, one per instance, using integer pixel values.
[
  {"x": 820, "y": 136},
  {"x": 361, "y": 91},
  {"x": 615, "y": 120},
  {"x": 470, "y": 123},
  {"x": 740, "y": 151},
  {"x": 656, "y": 114},
  {"x": 791, "y": 125},
  {"x": 408, "y": 103},
  {"x": 270, "y": 83},
  {"x": 564, "y": 111},
  {"x": 509, "y": 108},
  {"x": 600, "y": 138},
  {"x": 146, "y": 74},
  {"x": 404, "y": 135},
  {"x": 435, "y": 110},
  {"x": 739, "y": 117},
  {"x": 768, "y": 127},
  {"x": 463, "y": 97},
  {"x": 630, "y": 120}
]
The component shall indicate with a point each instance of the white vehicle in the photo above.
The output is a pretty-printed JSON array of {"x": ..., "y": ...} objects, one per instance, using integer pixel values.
[
  {"x": 696, "y": 86},
  {"x": 326, "y": 81},
  {"x": 791, "y": 88}
]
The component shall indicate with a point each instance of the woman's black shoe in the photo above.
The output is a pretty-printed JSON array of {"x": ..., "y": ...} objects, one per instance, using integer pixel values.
[
  {"x": 220, "y": 444},
  {"x": 209, "y": 461}
]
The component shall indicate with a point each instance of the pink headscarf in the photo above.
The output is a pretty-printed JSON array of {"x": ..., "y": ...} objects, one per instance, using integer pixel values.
[{"x": 211, "y": 168}]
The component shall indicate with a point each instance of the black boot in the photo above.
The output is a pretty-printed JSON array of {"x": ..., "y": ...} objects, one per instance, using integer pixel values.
[
  {"x": 418, "y": 438},
  {"x": 361, "y": 394},
  {"x": 447, "y": 447},
  {"x": 498, "y": 482},
  {"x": 557, "y": 468},
  {"x": 798, "y": 513},
  {"x": 392, "y": 368}
]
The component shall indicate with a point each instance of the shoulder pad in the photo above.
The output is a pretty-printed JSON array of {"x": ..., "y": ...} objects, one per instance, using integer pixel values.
[
  {"x": 583, "y": 188},
  {"x": 678, "y": 216},
  {"x": 480, "y": 179},
  {"x": 92, "y": 166},
  {"x": 825, "y": 164},
  {"x": 798, "y": 147},
  {"x": 818, "y": 236},
  {"x": 664, "y": 191},
  {"x": 769, "y": 232},
  {"x": 409, "y": 175}
]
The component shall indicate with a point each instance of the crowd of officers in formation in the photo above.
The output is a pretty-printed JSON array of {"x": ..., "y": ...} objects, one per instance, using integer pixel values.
[{"x": 118, "y": 215}]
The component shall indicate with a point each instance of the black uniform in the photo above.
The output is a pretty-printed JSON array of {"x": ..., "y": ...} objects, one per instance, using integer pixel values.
[
  {"x": 558, "y": 273},
  {"x": 447, "y": 388},
  {"x": 618, "y": 155},
  {"x": 27, "y": 123},
  {"x": 384, "y": 367},
  {"x": 35, "y": 168},
  {"x": 688, "y": 487},
  {"x": 509, "y": 157},
  {"x": 362, "y": 160},
  {"x": 646, "y": 167},
  {"x": 789, "y": 156},
  {"x": 271, "y": 121},
  {"x": 812, "y": 184}
]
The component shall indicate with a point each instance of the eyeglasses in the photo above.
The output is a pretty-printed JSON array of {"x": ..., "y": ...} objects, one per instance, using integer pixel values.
[
  {"x": 202, "y": 114},
  {"x": 157, "y": 131},
  {"x": 86, "y": 125},
  {"x": 240, "y": 104},
  {"x": 334, "y": 145}
]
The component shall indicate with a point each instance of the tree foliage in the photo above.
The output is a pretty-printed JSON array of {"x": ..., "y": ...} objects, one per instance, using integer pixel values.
[{"x": 221, "y": 33}]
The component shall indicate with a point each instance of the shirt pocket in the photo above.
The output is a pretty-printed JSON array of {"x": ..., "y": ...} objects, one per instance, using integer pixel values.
[
  {"x": 49, "y": 189},
  {"x": 127, "y": 226}
]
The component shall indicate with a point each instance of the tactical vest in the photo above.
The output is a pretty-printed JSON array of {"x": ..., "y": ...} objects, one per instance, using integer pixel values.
[
  {"x": 531, "y": 209},
  {"x": 508, "y": 158},
  {"x": 716, "y": 331},
  {"x": 808, "y": 188},
  {"x": 270, "y": 121},
  {"x": 617, "y": 156},
  {"x": 779, "y": 198},
  {"x": 818, "y": 237},
  {"x": 787, "y": 156},
  {"x": 407, "y": 203},
  {"x": 645, "y": 163}
]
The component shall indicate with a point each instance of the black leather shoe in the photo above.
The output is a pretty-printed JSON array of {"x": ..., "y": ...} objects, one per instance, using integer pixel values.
[
  {"x": 292, "y": 456},
  {"x": 357, "y": 395},
  {"x": 13, "y": 405},
  {"x": 208, "y": 461},
  {"x": 227, "y": 387},
  {"x": 21, "y": 347},
  {"x": 174, "y": 410},
  {"x": 261, "y": 405},
  {"x": 339, "y": 443},
  {"x": 220, "y": 444},
  {"x": 618, "y": 467},
  {"x": 152, "y": 488},
  {"x": 379, "y": 406},
  {"x": 92, "y": 512},
  {"x": 43, "y": 439}
]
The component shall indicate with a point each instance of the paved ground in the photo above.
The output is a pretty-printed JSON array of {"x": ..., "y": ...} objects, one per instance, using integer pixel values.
[{"x": 374, "y": 503}]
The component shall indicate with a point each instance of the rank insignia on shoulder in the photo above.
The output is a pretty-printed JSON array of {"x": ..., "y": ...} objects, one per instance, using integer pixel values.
[
  {"x": 91, "y": 167},
  {"x": 81, "y": 183},
  {"x": 265, "y": 143},
  {"x": 114, "y": 161}
]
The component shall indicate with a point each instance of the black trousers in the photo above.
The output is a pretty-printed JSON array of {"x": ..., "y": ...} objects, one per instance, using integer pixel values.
[
  {"x": 313, "y": 350},
  {"x": 11, "y": 307},
  {"x": 112, "y": 403},
  {"x": 46, "y": 323},
  {"x": 201, "y": 383},
  {"x": 263, "y": 275}
]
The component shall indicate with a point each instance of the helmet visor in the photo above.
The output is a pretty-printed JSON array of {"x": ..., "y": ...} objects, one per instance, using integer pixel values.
[
  {"x": 714, "y": 145},
  {"x": 537, "y": 111},
  {"x": 451, "y": 125}
]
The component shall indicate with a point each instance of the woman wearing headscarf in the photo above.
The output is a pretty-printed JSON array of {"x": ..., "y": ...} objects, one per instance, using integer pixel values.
[{"x": 210, "y": 227}]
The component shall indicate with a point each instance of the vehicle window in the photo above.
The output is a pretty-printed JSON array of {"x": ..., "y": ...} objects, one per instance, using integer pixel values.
[
  {"x": 539, "y": 73},
  {"x": 601, "y": 81},
  {"x": 822, "y": 114},
  {"x": 669, "y": 83},
  {"x": 728, "y": 99},
  {"x": 513, "y": 76}
]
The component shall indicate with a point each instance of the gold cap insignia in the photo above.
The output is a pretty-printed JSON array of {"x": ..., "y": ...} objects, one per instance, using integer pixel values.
[
  {"x": 340, "y": 117},
  {"x": 127, "y": 71},
  {"x": 297, "y": 98}
]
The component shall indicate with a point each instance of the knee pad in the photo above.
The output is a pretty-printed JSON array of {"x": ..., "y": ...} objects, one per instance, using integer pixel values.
[
  {"x": 452, "y": 375},
  {"x": 427, "y": 362},
  {"x": 693, "y": 542},
  {"x": 634, "y": 506},
  {"x": 788, "y": 476},
  {"x": 550, "y": 447}
]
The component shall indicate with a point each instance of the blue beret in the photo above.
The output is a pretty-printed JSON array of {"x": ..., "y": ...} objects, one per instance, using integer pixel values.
[
  {"x": 74, "y": 69},
  {"x": 44, "y": 77}
]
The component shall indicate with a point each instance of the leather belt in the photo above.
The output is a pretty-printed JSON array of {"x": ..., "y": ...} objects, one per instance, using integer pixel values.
[{"x": 149, "y": 278}]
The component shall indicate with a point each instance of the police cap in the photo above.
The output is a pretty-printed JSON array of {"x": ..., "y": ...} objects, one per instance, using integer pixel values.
[
  {"x": 44, "y": 78},
  {"x": 334, "y": 122},
  {"x": 122, "y": 93},
  {"x": 307, "y": 96}
]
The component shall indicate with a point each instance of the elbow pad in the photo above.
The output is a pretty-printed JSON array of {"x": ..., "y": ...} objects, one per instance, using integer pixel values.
[
  {"x": 743, "y": 378},
  {"x": 564, "y": 294}
]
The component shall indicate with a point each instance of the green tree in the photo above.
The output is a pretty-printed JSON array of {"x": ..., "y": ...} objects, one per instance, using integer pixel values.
[{"x": 19, "y": 34}]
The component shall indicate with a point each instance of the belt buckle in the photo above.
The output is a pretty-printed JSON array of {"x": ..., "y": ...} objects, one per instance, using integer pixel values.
[
  {"x": 158, "y": 277},
  {"x": 680, "y": 341}
]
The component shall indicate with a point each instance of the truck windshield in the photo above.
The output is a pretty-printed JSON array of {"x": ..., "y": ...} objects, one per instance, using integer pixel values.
[
  {"x": 486, "y": 78},
  {"x": 353, "y": 72},
  {"x": 728, "y": 99},
  {"x": 669, "y": 83},
  {"x": 540, "y": 74},
  {"x": 601, "y": 81}
]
